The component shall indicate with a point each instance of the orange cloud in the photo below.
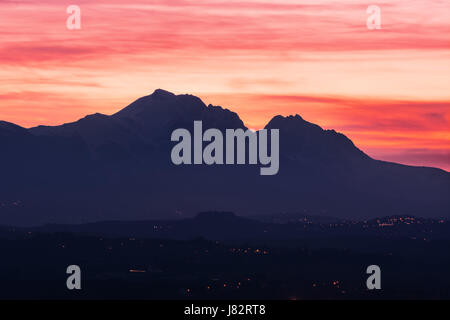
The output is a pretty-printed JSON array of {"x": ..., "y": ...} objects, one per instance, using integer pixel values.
[{"x": 387, "y": 89}]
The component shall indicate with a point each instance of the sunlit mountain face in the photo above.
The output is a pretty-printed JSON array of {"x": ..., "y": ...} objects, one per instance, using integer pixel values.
[{"x": 386, "y": 88}]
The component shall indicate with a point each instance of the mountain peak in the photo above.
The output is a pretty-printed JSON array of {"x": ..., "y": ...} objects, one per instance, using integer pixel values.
[
  {"x": 163, "y": 110},
  {"x": 160, "y": 93},
  {"x": 306, "y": 139},
  {"x": 295, "y": 122}
]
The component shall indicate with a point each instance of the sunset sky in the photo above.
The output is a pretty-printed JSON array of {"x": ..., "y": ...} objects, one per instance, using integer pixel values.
[{"x": 388, "y": 89}]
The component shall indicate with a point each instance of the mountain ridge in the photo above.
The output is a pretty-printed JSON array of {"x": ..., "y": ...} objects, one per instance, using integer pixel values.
[
  {"x": 104, "y": 167},
  {"x": 161, "y": 95}
]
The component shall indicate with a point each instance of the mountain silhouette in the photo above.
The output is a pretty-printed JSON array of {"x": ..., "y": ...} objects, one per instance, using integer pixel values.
[{"x": 118, "y": 167}]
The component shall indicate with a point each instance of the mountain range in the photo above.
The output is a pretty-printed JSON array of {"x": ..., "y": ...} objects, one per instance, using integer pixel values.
[{"x": 118, "y": 167}]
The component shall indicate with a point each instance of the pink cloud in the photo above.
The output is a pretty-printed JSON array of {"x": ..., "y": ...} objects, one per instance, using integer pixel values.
[{"x": 258, "y": 57}]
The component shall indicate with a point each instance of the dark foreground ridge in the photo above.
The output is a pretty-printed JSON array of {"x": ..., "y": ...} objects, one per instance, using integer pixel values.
[
  {"x": 118, "y": 167},
  {"x": 226, "y": 226},
  {"x": 168, "y": 260}
]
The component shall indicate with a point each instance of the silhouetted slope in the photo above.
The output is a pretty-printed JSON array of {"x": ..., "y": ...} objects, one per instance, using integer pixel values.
[
  {"x": 303, "y": 140},
  {"x": 118, "y": 167},
  {"x": 142, "y": 127}
]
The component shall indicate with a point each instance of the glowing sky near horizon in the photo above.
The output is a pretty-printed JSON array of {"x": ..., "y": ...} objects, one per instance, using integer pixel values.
[{"x": 388, "y": 89}]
